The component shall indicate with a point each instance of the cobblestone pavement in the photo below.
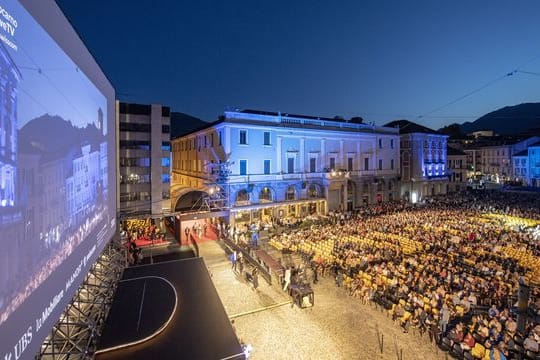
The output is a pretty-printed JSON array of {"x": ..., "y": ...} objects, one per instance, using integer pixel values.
[{"x": 337, "y": 327}]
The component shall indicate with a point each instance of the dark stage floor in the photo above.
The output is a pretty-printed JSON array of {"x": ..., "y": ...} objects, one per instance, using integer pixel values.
[{"x": 176, "y": 299}]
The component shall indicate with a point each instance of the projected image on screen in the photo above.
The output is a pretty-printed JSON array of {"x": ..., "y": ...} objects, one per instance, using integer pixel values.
[{"x": 54, "y": 148}]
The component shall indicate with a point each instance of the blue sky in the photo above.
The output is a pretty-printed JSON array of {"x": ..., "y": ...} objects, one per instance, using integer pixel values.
[
  {"x": 50, "y": 82},
  {"x": 382, "y": 60}
]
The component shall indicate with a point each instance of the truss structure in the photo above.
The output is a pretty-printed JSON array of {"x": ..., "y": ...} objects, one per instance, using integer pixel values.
[
  {"x": 217, "y": 197},
  {"x": 76, "y": 333}
]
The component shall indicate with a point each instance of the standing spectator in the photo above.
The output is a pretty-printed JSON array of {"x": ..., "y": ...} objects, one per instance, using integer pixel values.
[
  {"x": 233, "y": 258},
  {"x": 287, "y": 279},
  {"x": 255, "y": 278},
  {"x": 445, "y": 318},
  {"x": 240, "y": 263}
]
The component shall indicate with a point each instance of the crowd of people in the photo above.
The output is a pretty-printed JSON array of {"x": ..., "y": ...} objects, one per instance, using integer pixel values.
[
  {"x": 450, "y": 268},
  {"x": 138, "y": 234},
  {"x": 142, "y": 231}
]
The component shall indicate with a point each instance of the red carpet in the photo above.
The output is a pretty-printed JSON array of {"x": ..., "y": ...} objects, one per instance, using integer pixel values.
[{"x": 142, "y": 242}]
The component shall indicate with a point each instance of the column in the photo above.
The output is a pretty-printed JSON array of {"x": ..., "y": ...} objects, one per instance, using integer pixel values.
[
  {"x": 302, "y": 155},
  {"x": 342, "y": 161},
  {"x": 278, "y": 154},
  {"x": 323, "y": 159}
]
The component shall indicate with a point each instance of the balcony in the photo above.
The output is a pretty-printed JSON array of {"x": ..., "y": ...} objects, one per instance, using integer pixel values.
[{"x": 291, "y": 176}]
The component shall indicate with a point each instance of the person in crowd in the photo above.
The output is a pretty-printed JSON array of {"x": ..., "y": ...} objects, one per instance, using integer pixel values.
[
  {"x": 530, "y": 343},
  {"x": 287, "y": 279},
  {"x": 255, "y": 278}
]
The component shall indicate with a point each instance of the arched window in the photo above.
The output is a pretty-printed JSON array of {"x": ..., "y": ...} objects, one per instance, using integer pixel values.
[
  {"x": 380, "y": 185},
  {"x": 242, "y": 197},
  {"x": 313, "y": 191},
  {"x": 265, "y": 195},
  {"x": 365, "y": 187}
]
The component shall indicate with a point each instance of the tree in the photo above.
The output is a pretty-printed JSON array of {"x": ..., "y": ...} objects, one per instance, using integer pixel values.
[{"x": 452, "y": 130}]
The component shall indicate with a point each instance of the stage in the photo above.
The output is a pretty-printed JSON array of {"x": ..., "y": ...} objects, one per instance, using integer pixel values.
[{"x": 168, "y": 310}]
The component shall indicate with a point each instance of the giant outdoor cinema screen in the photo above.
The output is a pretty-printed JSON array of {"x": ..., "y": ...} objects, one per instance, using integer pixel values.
[{"x": 57, "y": 170}]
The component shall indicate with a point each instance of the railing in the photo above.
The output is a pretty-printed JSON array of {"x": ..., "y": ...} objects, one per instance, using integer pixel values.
[
  {"x": 284, "y": 119},
  {"x": 246, "y": 254}
]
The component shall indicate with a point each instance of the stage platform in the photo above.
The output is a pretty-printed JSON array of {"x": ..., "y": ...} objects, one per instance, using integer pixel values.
[{"x": 168, "y": 310}]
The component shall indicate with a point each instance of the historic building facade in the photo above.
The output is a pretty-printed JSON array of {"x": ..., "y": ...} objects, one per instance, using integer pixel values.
[
  {"x": 281, "y": 165},
  {"x": 457, "y": 169},
  {"x": 423, "y": 161},
  {"x": 526, "y": 166},
  {"x": 496, "y": 159}
]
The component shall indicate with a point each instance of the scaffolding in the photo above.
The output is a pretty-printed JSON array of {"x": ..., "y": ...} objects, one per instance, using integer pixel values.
[
  {"x": 76, "y": 333},
  {"x": 217, "y": 196}
]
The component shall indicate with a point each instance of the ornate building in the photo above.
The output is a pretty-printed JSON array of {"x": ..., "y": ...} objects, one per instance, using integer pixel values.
[
  {"x": 423, "y": 161},
  {"x": 280, "y": 165}
]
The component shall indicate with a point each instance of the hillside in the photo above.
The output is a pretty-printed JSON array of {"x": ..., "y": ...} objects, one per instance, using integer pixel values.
[
  {"x": 182, "y": 124},
  {"x": 507, "y": 120}
]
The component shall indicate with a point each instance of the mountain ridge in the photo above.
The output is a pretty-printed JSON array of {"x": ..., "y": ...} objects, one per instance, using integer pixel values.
[{"x": 508, "y": 120}]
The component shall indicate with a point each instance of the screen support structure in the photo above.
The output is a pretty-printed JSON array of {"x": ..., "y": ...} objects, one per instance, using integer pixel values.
[{"x": 76, "y": 333}]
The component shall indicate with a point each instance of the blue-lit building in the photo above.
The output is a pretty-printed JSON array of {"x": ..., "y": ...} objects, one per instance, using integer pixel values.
[
  {"x": 423, "y": 161},
  {"x": 282, "y": 165},
  {"x": 534, "y": 165},
  {"x": 144, "y": 158},
  {"x": 527, "y": 165},
  {"x": 521, "y": 167}
]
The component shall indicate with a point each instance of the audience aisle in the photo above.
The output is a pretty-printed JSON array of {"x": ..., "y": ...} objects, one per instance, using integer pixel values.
[{"x": 337, "y": 327}]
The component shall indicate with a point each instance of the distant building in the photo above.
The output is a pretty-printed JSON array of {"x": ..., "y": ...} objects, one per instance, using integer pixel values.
[
  {"x": 534, "y": 165},
  {"x": 527, "y": 165},
  {"x": 423, "y": 161},
  {"x": 457, "y": 169},
  {"x": 521, "y": 167},
  {"x": 281, "y": 165},
  {"x": 482, "y": 133},
  {"x": 496, "y": 158},
  {"x": 474, "y": 161},
  {"x": 144, "y": 157}
]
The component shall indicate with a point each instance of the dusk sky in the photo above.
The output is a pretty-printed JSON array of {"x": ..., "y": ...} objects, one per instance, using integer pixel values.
[
  {"x": 50, "y": 82},
  {"x": 382, "y": 60}
]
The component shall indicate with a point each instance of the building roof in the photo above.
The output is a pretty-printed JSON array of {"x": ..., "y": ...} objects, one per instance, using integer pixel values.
[
  {"x": 453, "y": 151},
  {"x": 409, "y": 127},
  {"x": 284, "y": 120},
  {"x": 141, "y": 109},
  {"x": 522, "y": 153},
  {"x": 273, "y": 113}
]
